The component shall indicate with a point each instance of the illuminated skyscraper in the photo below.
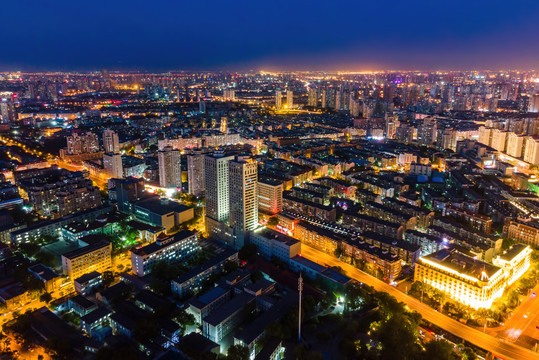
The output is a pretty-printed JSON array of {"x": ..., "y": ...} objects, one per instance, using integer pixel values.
[
  {"x": 243, "y": 178},
  {"x": 278, "y": 99},
  {"x": 223, "y": 127},
  {"x": 111, "y": 142},
  {"x": 216, "y": 180},
  {"x": 112, "y": 164},
  {"x": 313, "y": 97},
  {"x": 289, "y": 99}
]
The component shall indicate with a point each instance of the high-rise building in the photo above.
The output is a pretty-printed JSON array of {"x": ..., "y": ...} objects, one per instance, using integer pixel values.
[
  {"x": 195, "y": 174},
  {"x": 534, "y": 103},
  {"x": 391, "y": 127},
  {"x": 7, "y": 111},
  {"x": 313, "y": 97},
  {"x": 216, "y": 186},
  {"x": 515, "y": 144},
  {"x": 531, "y": 152},
  {"x": 498, "y": 139},
  {"x": 112, "y": 164},
  {"x": 426, "y": 132},
  {"x": 485, "y": 135},
  {"x": 270, "y": 196},
  {"x": 289, "y": 99},
  {"x": 170, "y": 171},
  {"x": 404, "y": 133},
  {"x": 447, "y": 139},
  {"x": 243, "y": 179},
  {"x": 229, "y": 94},
  {"x": 223, "y": 128},
  {"x": 82, "y": 144},
  {"x": 278, "y": 99},
  {"x": 111, "y": 142}
]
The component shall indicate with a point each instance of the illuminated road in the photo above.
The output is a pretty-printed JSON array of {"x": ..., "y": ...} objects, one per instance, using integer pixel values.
[
  {"x": 522, "y": 327},
  {"x": 498, "y": 347}
]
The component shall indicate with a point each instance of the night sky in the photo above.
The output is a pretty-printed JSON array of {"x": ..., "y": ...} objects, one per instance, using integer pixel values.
[{"x": 162, "y": 35}]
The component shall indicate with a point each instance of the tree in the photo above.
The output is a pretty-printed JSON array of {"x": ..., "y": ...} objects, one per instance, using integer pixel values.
[
  {"x": 46, "y": 297},
  {"x": 439, "y": 349},
  {"x": 468, "y": 354},
  {"x": 398, "y": 336},
  {"x": 248, "y": 252},
  {"x": 184, "y": 318},
  {"x": 273, "y": 221},
  {"x": 237, "y": 352},
  {"x": 108, "y": 278}
]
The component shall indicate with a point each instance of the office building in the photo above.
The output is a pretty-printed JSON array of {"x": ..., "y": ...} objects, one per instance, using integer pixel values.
[
  {"x": 169, "y": 248},
  {"x": 112, "y": 164},
  {"x": 163, "y": 212},
  {"x": 125, "y": 192},
  {"x": 111, "y": 142},
  {"x": 216, "y": 186},
  {"x": 270, "y": 196},
  {"x": 170, "y": 171},
  {"x": 243, "y": 179},
  {"x": 271, "y": 243},
  {"x": 96, "y": 256}
]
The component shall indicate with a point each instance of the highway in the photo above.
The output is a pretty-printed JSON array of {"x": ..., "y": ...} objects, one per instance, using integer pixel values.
[{"x": 497, "y": 347}]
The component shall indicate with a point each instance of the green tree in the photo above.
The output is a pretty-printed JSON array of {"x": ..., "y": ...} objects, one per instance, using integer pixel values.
[
  {"x": 398, "y": 335},
  {"x": 468, "y": 354},
  {"x": 273, "y": 221},
  {"x": 184, "y": 318},
  {"x": 237, "y": 352},
  {"x": 439, "y": 349}
]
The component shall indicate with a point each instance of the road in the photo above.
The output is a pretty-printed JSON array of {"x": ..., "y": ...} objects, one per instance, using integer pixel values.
[
  {"x": 497, "y": 347},
  {"x": 521, "y": 328}
]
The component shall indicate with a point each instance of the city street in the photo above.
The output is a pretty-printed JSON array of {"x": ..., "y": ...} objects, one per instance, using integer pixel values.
[{"x": 497, "y": 347}]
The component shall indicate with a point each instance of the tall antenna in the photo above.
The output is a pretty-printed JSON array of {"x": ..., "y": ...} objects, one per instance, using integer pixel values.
[{"x": 300, "y": 288}]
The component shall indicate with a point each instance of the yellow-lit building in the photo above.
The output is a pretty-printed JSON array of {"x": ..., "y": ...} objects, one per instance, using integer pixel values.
[
  {"x": 93, "y": 257},
  {"x": 464, "y": 279},
  {"x": 514, "y": 261}
]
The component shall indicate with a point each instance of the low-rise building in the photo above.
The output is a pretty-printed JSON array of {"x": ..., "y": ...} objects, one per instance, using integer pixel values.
[
  {"x": 169, "y": 248},
  {"x": 50, "y": 279},
  {"x": 271, "y": 243},
  {"x": 191, "y": 282},
  {"x": 93, "y": 257},
  {"x": 87, "y": 283},
  {"x": 163, "y": 212}
]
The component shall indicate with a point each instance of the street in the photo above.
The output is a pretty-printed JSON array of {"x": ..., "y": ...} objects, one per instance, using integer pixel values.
[{"x": 497, "y": 347}]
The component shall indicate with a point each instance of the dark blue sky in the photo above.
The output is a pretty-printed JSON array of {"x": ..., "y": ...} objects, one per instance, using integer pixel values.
[{"x": 268, "y": 34}]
